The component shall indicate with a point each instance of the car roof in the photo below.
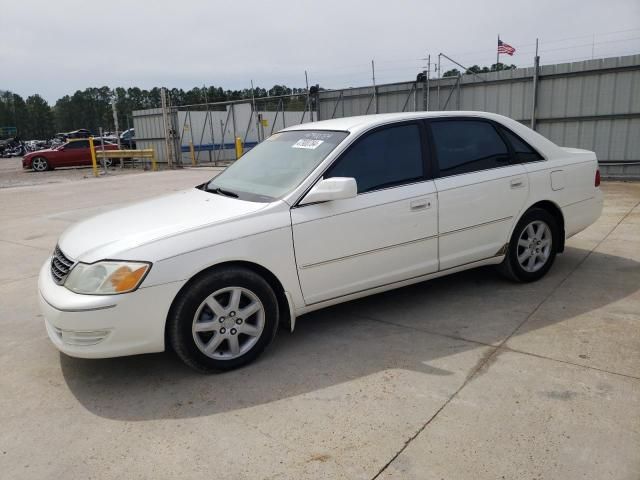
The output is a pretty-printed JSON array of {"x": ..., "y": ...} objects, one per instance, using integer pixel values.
[{"x": 363, "y": 122}]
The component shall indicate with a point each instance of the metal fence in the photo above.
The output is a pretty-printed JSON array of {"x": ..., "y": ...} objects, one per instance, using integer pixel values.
[
  {"x": 206, "y": 133},
  {"x": 593, "y": 104}
]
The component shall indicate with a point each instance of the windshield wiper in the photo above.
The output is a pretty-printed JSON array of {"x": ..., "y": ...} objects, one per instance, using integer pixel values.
[{"x": 220, "y": 191}]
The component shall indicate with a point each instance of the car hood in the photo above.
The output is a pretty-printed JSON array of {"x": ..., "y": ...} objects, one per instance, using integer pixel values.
[
  {"x": 106, "y": 235},
  {"x": 39, "y": 152}
]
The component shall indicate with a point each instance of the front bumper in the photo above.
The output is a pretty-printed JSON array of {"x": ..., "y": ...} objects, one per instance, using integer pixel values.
[{"x": 101, "y": 326}]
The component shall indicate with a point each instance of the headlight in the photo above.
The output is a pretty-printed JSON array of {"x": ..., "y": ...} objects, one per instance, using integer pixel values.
[{"x": 106, "y": 278}]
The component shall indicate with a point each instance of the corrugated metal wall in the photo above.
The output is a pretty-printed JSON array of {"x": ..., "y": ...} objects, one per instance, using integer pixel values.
[
  {"x": 150, "y": 133},
  {"x": 594, "y": 104},
  {"x": 205, "y": 130}
]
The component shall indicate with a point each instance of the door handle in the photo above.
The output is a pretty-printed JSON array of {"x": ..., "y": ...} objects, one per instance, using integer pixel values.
[
  {"x": 421, "y": 204},
  {"x": 517, "y": 183}
]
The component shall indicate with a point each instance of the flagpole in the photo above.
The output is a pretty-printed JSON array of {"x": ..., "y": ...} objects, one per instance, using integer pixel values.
[{"x": 498, "y": 52}]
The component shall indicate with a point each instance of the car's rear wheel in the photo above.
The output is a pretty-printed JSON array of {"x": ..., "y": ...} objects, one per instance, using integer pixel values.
[
  {"x": 40, "y": 164},
  {"x": 533, "y": 246},
  {"x": 224, "y": 319}
]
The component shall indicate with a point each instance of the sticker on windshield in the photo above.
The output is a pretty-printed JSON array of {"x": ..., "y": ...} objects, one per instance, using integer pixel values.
[{"x": 307, "y": 143}]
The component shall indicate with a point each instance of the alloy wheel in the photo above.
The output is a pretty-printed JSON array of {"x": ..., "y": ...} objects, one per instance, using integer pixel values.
[
  {"x": 228, "y": 323},
  {"x": 534, "y": 246},
  {"x": 39, "y": 164}
]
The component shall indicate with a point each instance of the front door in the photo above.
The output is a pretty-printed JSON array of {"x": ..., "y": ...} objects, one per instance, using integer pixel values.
[
  {"x": 386, "y": 234},
  {"x": 75, "y": 153}
]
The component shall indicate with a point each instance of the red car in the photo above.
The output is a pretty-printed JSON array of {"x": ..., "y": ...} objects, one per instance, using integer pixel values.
[{"x": 74, "y": 153}]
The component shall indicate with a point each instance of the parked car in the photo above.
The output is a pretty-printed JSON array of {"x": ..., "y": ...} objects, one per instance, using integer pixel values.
[
  {"x": 317, "y": 214},
  {"x": 80, "y": 133},
  {"x": 74, "y": 153},
  {"x": 12, "y": 147},
  {"x": 128, "y": 138}
]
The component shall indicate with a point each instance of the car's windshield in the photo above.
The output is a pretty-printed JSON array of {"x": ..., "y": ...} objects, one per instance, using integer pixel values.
[{"x": 276, "y": 166}]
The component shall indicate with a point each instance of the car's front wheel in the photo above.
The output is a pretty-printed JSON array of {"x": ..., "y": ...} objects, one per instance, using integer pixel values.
[
  {"x": 533, "y": 246},
  {"x": 223, "y": 319},
  {"x": 40, "y": 164}
]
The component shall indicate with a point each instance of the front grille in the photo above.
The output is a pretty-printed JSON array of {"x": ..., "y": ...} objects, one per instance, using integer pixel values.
[{"x": 60, "y": 266}]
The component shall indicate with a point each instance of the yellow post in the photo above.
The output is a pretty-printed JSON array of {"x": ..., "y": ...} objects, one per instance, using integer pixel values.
[
  {"x": 94, "y": 161},
  {"x": 239, "y": 148},
  {"x": 193, "y": 155},
  {"x": 154, "y": 165}
]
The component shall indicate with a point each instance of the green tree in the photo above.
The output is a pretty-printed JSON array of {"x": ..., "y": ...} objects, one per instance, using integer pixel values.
[
  {"x": 454, "y": 72},
  {"x": 496, "y": 67},
  {"x": 91, "y": 108},
  {"x": 40, "y": 123},
  {"x": 15, "y": 113}
]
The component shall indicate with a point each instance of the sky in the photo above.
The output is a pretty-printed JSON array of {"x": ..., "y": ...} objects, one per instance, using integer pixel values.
[{"x": 57, "y": 47}]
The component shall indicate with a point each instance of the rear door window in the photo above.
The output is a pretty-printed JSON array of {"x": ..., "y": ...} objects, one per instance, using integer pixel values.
[
  {"x": 464, "y": 146},
  {"x": 523, "y": 152}
]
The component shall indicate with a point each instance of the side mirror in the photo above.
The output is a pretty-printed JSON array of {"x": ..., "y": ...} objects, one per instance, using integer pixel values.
[{"x": 336, "y": 188}]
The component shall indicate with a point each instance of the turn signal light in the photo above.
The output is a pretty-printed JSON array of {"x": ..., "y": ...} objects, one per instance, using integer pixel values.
[{"x": 124, "y": 279}]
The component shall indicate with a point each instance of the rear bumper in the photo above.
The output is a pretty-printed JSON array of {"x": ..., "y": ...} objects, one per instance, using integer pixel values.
[
  {"x": 89, "y": 326},
  {"x": 580, "y": 215}
]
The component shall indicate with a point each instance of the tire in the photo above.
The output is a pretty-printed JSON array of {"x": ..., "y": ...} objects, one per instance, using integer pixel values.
[
  {"x": 542, "y": 246},
  {"x": 206, "y": 327},
  {"x": 40, "y": 164}
]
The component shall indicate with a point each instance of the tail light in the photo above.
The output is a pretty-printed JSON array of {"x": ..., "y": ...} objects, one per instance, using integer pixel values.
[{"x": 597, "y": 180}]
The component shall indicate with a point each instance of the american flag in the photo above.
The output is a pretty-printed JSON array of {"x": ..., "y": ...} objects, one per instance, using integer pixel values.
[{"x": 505, "y": 48}]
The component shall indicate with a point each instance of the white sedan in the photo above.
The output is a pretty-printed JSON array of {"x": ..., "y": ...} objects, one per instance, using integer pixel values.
[{"x": 317, "y": 214}]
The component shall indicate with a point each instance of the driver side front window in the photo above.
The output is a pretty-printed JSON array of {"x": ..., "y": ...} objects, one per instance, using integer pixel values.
[
  {"x": 388, "y": 157},
  {"x": 80, "y": 144}
]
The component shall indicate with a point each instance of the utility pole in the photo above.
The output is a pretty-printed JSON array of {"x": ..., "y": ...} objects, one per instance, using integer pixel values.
[
  {"x": 428, "y": 80},
  {"x": 115, "y": 124},
  {"x": 255, "y": 112},
  {"x": 114, "y": 109},
  {"x": 375, "y": 90},
  {"x": 206, "y": 101},
  {"x": 306, "y": 79},
  {"x": 439, "y": 78},
  {"x": 103, "y": 160},
  {"x": 168, "y": 134},
  {"x": 534, "y": 93}
]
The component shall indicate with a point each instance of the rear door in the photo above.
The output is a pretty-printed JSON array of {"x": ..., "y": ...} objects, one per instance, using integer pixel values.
[
  {"x": 386, "y": 234},
  {"x": 481, "y": 189}
]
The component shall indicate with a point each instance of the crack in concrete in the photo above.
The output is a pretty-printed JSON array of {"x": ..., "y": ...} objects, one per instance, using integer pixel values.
[
  {"x": 485, "y": 362},
  {"x": 478, "y": 366},
  {"x": 567, "y": 362},
  {"x": 9, "y": 282},
  {"x": 493, "y": 347},
  {"x": 24, "y": 245}
]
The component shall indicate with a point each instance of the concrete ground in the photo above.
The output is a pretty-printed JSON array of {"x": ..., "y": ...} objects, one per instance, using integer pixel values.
[
  {"x": 13, "y": 175},
  {"x": 467, "y": 376}
]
